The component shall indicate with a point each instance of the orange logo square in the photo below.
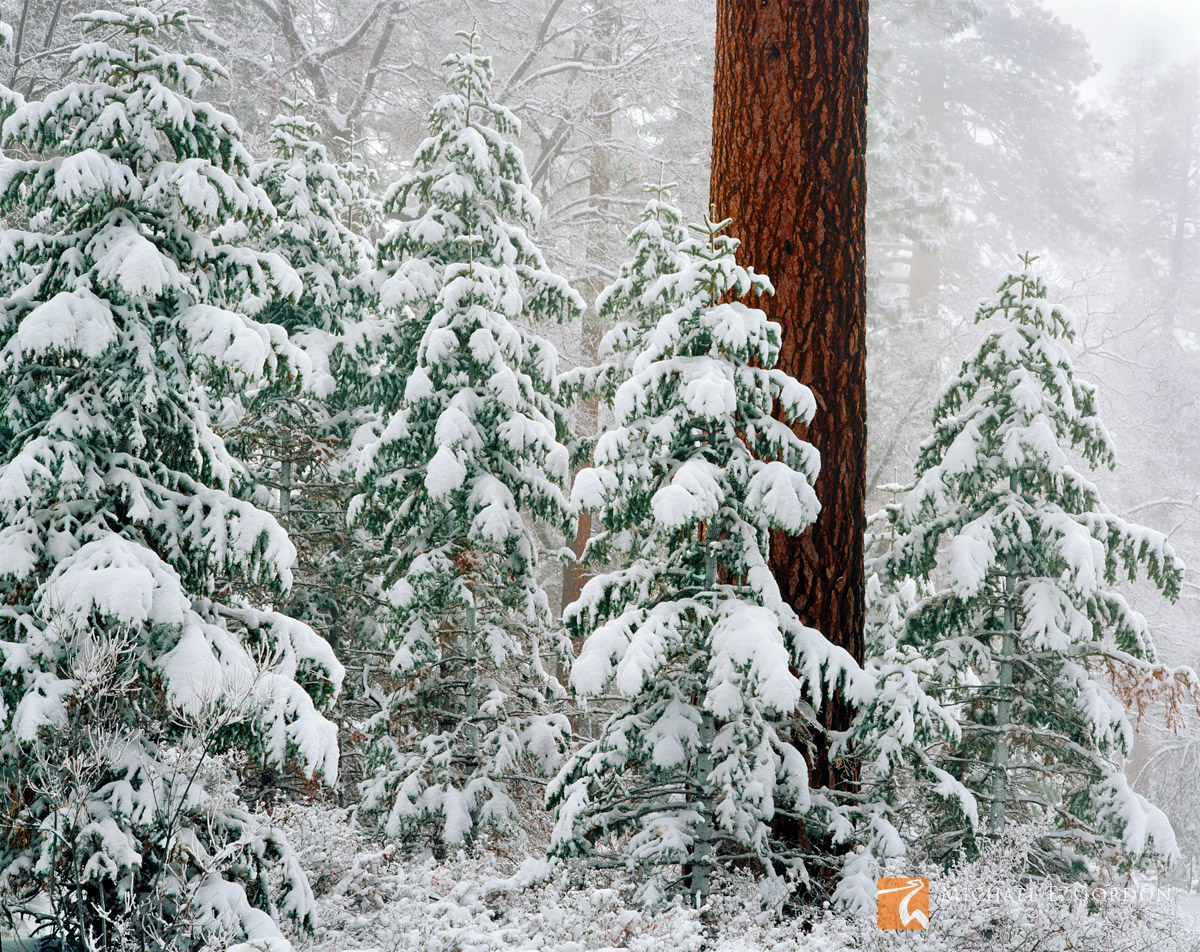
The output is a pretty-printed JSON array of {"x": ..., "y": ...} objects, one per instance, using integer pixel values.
[{"x": 904, "y": 903}]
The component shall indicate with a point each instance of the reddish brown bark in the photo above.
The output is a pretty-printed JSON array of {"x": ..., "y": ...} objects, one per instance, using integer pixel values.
[{"x": 789, "y": 146}]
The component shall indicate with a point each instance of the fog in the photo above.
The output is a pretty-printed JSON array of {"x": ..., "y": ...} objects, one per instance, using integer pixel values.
[{"x": 1120, "y": 32}]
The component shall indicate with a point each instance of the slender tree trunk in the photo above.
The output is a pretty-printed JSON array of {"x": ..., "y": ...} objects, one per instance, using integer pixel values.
[
  {"x": 285, "y": 493},
  {"x": 789, "y": 147},
  {"x": 925, "y": 274},
  {"x": 698, "y": 873},
  {"x": 1176, "y": 278},
  {"x": 996, "y": 812},
  {"x": 17, "y": 43},
  {"x": 600, "y": 192},
  {"x": 574, "y": 575}
]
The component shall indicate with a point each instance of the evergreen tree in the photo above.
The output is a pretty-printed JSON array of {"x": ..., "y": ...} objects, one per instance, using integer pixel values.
[
  {"x": 948, "y": 184},
  {"x": 294, "y": 438},
  {"x": 315, "y": 203},
  {"x": 630, "y": 309},
  {"x": 896, "y": 738},
  {"x": 464, "y": 454},
  {"x": 129, "y": 575},
  {"x": 363, "y": 213},
  {"x": 633, "y": 303},
  {"x": 708, "y": 663},
  {"x": 1017, "y": 630}
]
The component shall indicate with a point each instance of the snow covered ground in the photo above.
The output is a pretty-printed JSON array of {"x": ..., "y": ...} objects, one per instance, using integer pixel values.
[{"x": 375, "y": 900}]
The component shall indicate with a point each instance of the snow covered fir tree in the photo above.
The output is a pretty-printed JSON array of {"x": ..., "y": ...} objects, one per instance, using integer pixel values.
[
  {"x": 689, "y": 632},
  {"x": 461, "y": 457},
  {"x": 1007, "y": 660},
  {"x": 293, "y": 435},
  {"x": 632, "y": 304},
  {"x": 131, "y": 641}
]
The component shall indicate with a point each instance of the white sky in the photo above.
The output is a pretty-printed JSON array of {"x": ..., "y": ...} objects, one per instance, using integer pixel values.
[{"x": 1119, "y": 30}]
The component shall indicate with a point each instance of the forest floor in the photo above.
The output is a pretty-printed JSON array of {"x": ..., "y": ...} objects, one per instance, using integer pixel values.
[{"x": 505, "y": 899}]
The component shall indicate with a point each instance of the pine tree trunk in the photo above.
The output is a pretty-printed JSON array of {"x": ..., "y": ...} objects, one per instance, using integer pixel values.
[
  {"x": 789, "y": 146},
  {"x": 698, "y": 873},
  {"x": 285, "y": 493}
]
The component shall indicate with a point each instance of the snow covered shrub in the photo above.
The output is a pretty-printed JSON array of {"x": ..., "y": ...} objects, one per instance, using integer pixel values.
[
  {"x": 705, "y": 659},
  {"x": 467, "y": 448},
  {"x": 130, "y": 577},
  {"x": 384, "y": 900},
  {"x": 991, "y": 903},
  {"x": 1010, "y": 626}
]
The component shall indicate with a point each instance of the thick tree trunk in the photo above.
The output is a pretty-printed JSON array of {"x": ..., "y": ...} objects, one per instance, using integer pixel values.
[{"x": 789, "y": 147}]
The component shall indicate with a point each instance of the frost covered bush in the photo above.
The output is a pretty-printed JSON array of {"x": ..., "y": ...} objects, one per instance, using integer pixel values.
[
  {"x": 131, "y": 579},
  {"x": 385, "y": 899},
  {"x": 991, "y": 903},
  {"x": 988, "y": 904},
  {"x": 478, "y": 903}
]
